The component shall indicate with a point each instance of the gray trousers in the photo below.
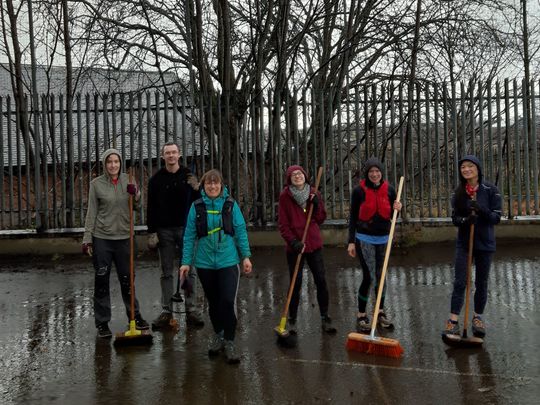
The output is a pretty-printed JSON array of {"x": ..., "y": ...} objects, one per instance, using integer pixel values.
[{"x": 170, "y": 247}]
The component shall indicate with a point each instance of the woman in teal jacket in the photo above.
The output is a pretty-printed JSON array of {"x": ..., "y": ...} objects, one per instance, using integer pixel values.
[{"x": 215, "y": 242}]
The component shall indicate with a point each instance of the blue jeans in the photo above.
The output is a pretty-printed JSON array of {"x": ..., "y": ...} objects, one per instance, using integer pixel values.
[
  {"x": 170, "y": 247},
  {"x": 482, "y": 264},
  {"x": 107, "y": 252}
]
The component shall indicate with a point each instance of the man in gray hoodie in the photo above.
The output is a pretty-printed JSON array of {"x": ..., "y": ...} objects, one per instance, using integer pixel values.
[{"x": 106, "y": 238}]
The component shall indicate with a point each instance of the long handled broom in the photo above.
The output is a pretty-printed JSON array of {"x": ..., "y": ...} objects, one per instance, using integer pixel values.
[
  {"x": 464, "y": 340},
  {"x": 133, "y": 336},
  {"x": 372, "y": 344},
  {"x": 285, "y": 338}
]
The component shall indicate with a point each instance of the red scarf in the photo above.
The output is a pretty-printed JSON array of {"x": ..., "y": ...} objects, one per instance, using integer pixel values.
[{"x": 471, "y": 190}]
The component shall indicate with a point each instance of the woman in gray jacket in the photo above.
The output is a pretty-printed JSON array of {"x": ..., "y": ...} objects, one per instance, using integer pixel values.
[{"x": 106, "y": 238}]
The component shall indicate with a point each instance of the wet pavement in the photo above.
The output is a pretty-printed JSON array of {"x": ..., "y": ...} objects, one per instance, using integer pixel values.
[{"x": 50, "y": 353}]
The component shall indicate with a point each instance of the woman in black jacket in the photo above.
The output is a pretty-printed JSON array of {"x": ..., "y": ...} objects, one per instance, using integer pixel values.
[{"x": 478, "y": 202}]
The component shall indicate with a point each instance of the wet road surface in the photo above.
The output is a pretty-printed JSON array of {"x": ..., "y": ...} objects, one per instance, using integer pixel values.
[{"x": 50, "y": 353}]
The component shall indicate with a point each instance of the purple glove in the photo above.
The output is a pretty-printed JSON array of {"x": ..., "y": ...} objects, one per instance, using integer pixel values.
[
  {"x": 132, "y": 189},
  {"x": 87, "y": 249}
]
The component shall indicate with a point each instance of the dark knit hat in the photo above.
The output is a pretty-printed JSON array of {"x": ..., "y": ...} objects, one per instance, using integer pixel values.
[
  {"x": 372, "y": 162},
  {"x": 292, "y": 169}
]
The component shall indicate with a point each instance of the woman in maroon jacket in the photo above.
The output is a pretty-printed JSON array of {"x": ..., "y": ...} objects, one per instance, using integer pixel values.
[{"x": 294, "y": 203}]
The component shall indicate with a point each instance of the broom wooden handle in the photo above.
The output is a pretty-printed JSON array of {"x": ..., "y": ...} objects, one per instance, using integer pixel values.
[
  {"x": 468, "y": 284},
  {"x": 386, "y": 259},
  {"x": 299, "y": 258},
  {"x": 131, "y": 248}
]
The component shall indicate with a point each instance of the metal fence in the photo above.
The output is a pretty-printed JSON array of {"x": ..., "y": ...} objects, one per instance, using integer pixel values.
[{"x": 419, "y": 134}]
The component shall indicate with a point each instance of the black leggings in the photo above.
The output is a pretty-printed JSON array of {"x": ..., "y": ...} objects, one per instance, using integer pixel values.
[
  {"x": 316, "y": 265},
  {"x": 482, "y": 265},
  {"x": 220, "y": 288}
]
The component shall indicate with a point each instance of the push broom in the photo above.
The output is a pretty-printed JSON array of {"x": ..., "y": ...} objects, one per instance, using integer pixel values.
[
  {"x": 133, "y": 336},
  {"x": 372, "y": 344},
  {"x": 285, "y": 337}
]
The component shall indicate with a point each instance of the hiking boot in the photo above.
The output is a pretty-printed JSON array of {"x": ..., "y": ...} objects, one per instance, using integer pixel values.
[
  {"x": 383, "y": 321},
  {"x": 215, "y": 344},
  {"x": 103, "y": 330},
  {"x": 163, "y": 321},
  {"x": 327, "y": 325},
  {"x": 452, "y": 328},
  {"x": 363, "y": 325},
  {"x": 478, "y": 327},
  {"x": 140, "y": 323},
  {"x": 194, "y": 319},
  {"x": 230, "y": 352}
]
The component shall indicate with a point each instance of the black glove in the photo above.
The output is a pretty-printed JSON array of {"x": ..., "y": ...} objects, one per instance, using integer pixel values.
[
  {"x": 480, "y": 210},
  {"x": 471, "y": 219},
  {"x": 187, "y": 287},
  {"x": 297, "y": 246},
  {"x": 314, "y": 201}
]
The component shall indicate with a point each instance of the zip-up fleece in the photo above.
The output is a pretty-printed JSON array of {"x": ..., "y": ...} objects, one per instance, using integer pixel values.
[
  {"x": 108, "y": 206},
  {"x": 217, "y": 250}
]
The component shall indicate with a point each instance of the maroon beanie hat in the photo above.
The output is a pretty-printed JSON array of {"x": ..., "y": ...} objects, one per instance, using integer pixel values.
[{"x": 292, "y": 169}]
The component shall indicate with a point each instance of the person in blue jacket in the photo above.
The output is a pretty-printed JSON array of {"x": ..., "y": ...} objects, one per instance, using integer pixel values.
[
  {"x": 477, "y": 202},
  {"x": 215, "y": 242}
]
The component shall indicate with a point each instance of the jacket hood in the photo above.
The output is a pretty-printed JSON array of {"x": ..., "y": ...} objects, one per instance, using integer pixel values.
[
  {"x": 108, "y": 153},
  {"x": 476, "y": 161},
  {"x": 292, "y": 169}
]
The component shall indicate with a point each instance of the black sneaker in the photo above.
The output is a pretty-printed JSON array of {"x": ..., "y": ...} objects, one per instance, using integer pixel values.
[
  {"x": 194, "y": 319},
  {"x": 327, "y": 325},
  {"x": 103, "y": 330},
  {"x": 163, "y": 321},
  {"x": 215, "y": 344},
  {"x": 292, "y": 325},
  {"x": 140, "y": 323}
]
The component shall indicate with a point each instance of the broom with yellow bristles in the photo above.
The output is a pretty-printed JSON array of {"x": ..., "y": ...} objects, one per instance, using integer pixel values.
[
  {"x": 133, "y": 336},
  {"x": 372, "y": 344}
]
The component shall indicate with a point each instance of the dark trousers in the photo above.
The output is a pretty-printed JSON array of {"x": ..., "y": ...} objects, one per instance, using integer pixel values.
[
  {"x": 107, "y": 252},
  {"x": 220, "y": 288},
  {"x": 371, "y": 259},
  {"x": 482, "y": 264},
  {"x": 316, "y": 266}
]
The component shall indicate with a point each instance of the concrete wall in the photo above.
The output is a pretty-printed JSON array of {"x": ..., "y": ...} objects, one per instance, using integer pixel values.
[{"x": 62, "y": 241}]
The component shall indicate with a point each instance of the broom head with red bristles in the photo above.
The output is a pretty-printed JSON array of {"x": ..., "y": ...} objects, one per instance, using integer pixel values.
[{"x": 378, "y": 346}]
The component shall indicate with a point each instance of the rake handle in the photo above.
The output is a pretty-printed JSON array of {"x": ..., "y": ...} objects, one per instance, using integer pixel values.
[
  {"x": 386, "y": 259},
  {"x": 299, "y": 257}
]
